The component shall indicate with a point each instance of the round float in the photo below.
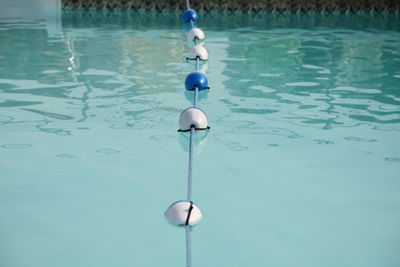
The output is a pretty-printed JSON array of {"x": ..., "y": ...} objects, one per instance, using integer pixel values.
[
  {"x": 198, "y": 51},
  {"x": 196, "y": 79},
  {"x": 182, "y": 213},
  {"x": 190, "y": 15},
  {"x": 193, "y": 117},
  {"x": 196, "y": 33}
]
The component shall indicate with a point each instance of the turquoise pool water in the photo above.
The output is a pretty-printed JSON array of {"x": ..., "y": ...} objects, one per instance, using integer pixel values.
[{"x": 301, "y": 166}]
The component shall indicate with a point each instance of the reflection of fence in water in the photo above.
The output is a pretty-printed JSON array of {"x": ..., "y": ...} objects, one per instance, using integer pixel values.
[{"x": 236, "y": 6}]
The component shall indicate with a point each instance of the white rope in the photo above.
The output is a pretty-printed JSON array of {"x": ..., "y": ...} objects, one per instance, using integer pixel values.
[
  {"x": 188, "y": 231},
  {"x": 197, "y": 63},
  {"x": 190, "y": 168},
  {"x": 196, "y": 92}
]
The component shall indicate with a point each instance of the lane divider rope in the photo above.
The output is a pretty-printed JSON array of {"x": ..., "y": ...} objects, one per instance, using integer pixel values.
[{"x": 184, "y": 213}]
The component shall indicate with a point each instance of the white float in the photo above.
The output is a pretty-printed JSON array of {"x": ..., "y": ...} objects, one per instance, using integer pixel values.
[
  {"x": 198, "y": 51},
  {"x": 196, "y": 33},
  {"x": 178, "y": 213},
  {"x": 192, "y": 116}
]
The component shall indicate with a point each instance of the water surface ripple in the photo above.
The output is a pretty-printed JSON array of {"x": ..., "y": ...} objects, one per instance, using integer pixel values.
[{"x": 301, "y": 166}]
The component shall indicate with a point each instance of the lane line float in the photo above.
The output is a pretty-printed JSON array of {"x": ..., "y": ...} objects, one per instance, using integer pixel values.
[{"x": 184, "y": 212}]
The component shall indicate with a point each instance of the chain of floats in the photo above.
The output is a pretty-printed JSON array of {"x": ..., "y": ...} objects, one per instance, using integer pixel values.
[
  {"x": 190, "y": 16},
  {"x": 185, "y": 213}
]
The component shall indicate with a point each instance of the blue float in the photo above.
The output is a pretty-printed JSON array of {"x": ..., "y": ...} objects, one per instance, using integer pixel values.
[
  {"x": 190, "y": 15},
  {"x": 196, "y": 79}
]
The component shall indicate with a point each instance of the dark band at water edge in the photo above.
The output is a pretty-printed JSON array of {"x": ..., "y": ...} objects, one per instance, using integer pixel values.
[{"x": 241, "y": 6}]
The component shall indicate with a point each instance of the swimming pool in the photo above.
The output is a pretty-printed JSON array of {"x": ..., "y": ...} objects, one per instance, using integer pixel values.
[{"x": 301, "y": 166}]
